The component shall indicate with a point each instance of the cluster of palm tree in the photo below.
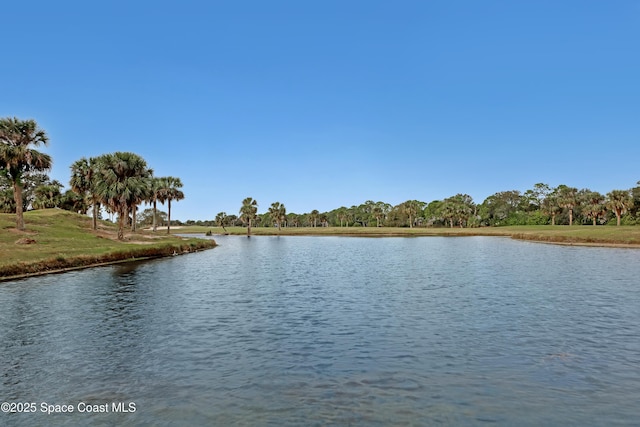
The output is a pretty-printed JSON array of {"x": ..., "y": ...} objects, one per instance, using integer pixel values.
[
  {"x": 18, "y": 157},
  {"x": 119, "y": 182},
  {"x": 540, "y": 205}
]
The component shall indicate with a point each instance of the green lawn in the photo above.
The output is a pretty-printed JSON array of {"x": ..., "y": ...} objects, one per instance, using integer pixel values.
[
  {"x": 577, "y": 234},
  {"x": 55, "y": 239},
  {"x": 60, "y": 239}
]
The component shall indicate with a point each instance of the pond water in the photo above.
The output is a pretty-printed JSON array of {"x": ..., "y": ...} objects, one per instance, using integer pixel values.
[{"x": 331, "y": 331}]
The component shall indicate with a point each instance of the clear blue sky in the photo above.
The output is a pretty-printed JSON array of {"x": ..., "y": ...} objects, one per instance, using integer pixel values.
[{"x": 319, "y": 104}]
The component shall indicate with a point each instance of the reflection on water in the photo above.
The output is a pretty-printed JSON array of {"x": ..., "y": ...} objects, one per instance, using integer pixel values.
[{"x": 333, "y": 331}]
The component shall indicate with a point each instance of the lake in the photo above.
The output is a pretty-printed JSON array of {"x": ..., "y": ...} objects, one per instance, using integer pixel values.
[{"x": 322, "y": 331}]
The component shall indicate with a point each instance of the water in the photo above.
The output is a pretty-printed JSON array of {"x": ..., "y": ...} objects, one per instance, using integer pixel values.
[{"x": 332, "y": 331}]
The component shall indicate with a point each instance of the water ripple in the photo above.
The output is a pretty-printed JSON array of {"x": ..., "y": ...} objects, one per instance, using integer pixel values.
[{"x": 334, "y": 331}]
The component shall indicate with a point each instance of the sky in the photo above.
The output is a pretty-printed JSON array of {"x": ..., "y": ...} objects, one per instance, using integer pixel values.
[{"x": 322, "y": 104}]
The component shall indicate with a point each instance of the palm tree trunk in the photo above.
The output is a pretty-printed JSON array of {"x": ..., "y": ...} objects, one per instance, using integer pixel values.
[
  {"x": 134, "y": 218},
  {"x": 95, "y": 215},
  {"x": 17, "y": 195},
  {"x": 570, "y": 217},
  {"x": 121, "y": 219},
  {"x": 168, "y": 216},
  {"x": 618, "y": 215},
  {"x": 155, "y": 226}
]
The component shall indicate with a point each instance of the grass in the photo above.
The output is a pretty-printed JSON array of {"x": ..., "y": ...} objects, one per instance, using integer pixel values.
[
  {"x": 58, "y": 240},
  {"x": 577, "y": 234}
]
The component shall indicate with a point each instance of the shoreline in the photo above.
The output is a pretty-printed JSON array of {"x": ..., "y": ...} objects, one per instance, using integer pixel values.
[
  {"x": 558, "y": 236},
  {"x": 135, "y": 252},
  {"x": 81, "y": 262}
]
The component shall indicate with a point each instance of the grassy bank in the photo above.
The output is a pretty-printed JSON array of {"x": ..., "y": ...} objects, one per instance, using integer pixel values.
[
  {"x": 57, "y": 240},
  {"x": 577, "y": 235}
]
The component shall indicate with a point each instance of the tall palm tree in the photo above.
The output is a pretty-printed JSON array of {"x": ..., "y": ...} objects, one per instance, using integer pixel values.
[
  {"x": 170, "y": 190},
  {"x": 342, "y": 215},
  {"x": 448, "y": 211},
  {"x": 278, "y": 213},
  {"x": 551, "y": 207},
  {"x": 140, "y": 194},
  {"x": 313, "y": 217},
  {"x": 248, "y": 212},
  {"x": 84, "y": 175},
  {"x": 593, "y": 204},
  {"x": 123, "y": 177},
  {"x": 411, "y": 209},
  {"x": 221, "y": 220},
  {"x": 568, "y": 199},
  {"x": 154, "y": 196},
  {"x": 17, "y": 157},
  {"x": 619, "y": 201}
]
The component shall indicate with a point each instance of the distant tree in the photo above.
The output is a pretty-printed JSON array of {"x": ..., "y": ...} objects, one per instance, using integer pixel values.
[
  {"x": 278, "y": 213},
  {"x": 72, "y": 201},
  {"x": 293, "y": 220},
  {"x": 17, "y": 157},
  {"x": 343, "y": 215},
  {"x": 536, "y": 196},
  {"x": 248, "y": 212},
  {"x": 324, "y": 219},
  {"x": 233, "y": 220},
  {"x": 432, "y": 213},
  {"x": 84, "y": 176},
  {"x": 593, "y": 205},
  {"x": 155, "y": 194},
  {"x": 568, "y": 199},
  {"x": 501, "y": 208},
  {"x": 48, "y": 195},
  {"x": 221, "y": 220},
  {"x": 149, "y": 217},
  {"x": 380, "y": 211},
  {"x": 619, "y": 201},
  {"x": 7, "y": 201},
  {"x": 551, "y": 207},
  {"x": 313, "y": 217},
  {"x": 412, "y": 208},
  {"x": 458, "y": 208},
  {"x": 170, "y": 190}
]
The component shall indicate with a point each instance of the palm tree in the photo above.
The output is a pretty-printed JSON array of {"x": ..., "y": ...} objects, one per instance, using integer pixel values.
[
  {"x": 84, "y": 175},
  {"x": 343, "y": 215},
  {"x": 313, "y": 217},
  {"x": 154, "y": 196},
  {"x": 17, "y": 157},
  {"x": 619, "y": 201},
  {"x": 593, "y": 205},
  {"x": 411, "y": 209},
  {"x": 47, "y": 195},
  {"x": 551, "y": 207},
  {"x": 380, "y": 211},
  {"x": 140, "y": 194},
  {"x": 123, "y": 177},
  {"x": 448, "y": 211},
  {"x": 278, "y": 213},
  {"x": 248, "y": 212},
  {"x": 568, "y": 199},
  {"x": 221, "y": 219},
  {"x": 170, "y": 189}
]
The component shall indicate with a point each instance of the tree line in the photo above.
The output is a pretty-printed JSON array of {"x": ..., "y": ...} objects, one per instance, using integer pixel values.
[
  {"x": 116, "y": 182},
  {"x": 120, "y": 182},
  {"x": 540, "y": 205}
]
